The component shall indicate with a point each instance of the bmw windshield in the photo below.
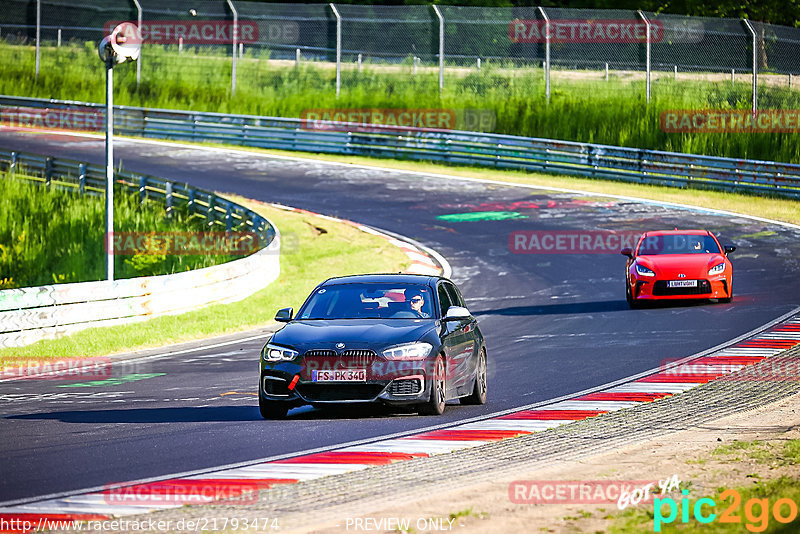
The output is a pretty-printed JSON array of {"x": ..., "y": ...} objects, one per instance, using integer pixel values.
[{"x": 369, "y": 301}]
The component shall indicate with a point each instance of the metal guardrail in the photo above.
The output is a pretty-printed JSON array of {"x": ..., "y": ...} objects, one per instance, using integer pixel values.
[
  {"x": 454, "y": 147},
  {"x": 90, "y": 179},
  {"x": 33, "y": 313}
]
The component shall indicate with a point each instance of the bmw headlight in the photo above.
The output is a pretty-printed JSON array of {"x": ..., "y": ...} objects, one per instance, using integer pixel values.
[
  {"x": 408, "y": 351},
  {"x": 644, "y": 271},
  {"x": 275, "y": 353},
  {"x": 717, "y": 269}
]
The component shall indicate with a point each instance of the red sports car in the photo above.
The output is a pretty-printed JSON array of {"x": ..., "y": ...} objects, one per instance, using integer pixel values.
[{"x": 678, "y": 264}]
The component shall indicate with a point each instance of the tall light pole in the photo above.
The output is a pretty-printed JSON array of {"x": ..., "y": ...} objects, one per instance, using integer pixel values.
[{"x": 123, "y": 44}]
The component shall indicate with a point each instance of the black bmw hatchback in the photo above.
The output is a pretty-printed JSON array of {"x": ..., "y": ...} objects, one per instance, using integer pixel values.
[{"x": 400, "y": 339}]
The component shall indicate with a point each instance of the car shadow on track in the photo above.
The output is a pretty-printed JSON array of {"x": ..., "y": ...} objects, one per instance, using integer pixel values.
[
  {"x": 207, "y": 414},
  {"x": 151, "y": 415}
]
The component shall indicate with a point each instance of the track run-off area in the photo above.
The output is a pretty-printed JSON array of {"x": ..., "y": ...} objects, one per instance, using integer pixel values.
[{"x": 555, "y": 323}]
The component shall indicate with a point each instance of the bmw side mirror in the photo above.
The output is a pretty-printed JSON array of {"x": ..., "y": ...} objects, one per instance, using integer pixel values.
[
  {"x": 284, "y": 315},
  {"x": 729, "y": 248},
  {"x": 456, "y": 313},
  {"x": 627, "y": 251}
]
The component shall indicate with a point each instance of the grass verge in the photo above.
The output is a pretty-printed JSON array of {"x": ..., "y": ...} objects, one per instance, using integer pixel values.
[
  {"x": 39, "y": 249},
  {"x": 752, "y": 508},
  {"x": 314, "y": 249},
  {"x": 613, "y": 112}
]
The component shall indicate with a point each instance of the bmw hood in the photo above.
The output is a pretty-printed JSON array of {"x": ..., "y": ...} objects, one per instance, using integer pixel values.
[{"x": 373, "y": 334}]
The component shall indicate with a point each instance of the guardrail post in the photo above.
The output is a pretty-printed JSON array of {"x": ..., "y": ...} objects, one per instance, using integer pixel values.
[
  {"x": 210, "y": 212},
  {"x": 190, "y": 200},
  {"x": 142, "y": 189},
  {"x": 755, "y": 65},
  {"x": 338, "y": 48},
  {"x": 48, "y": 170},
  {"x": 168, "y": 198},
  {"x": 441, "y": 46},
  {"x": 82, "y": 178},
  {"x": 647, "y": 28},
  {"x": 12, "y": 169},
  {"x": 546, "y": 52},
  {"x": 228, "y": 218}
]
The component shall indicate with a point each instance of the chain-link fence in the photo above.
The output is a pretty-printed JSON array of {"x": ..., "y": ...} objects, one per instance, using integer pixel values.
[{"x": 206, "y": 40}]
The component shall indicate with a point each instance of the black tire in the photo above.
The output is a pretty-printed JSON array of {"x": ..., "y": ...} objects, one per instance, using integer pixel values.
[
  {"x": 272, "y": 409},
  {"x": 629, "y": 297},
  {"x": 435, "y": 405},
  {"x": 478, "y": 395}
]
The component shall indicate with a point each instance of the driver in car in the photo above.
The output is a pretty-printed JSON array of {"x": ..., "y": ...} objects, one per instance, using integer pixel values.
[{"x": 417, "y": 302}]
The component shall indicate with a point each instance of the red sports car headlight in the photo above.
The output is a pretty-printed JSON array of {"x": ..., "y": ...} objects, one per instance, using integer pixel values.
[
  {"x": 641, "y": 270},
  {"x": 717, "y": 269}
]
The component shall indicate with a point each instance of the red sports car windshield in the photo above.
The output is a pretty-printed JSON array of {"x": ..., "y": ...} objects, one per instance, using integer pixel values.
[{"x": 655, "y": 245}]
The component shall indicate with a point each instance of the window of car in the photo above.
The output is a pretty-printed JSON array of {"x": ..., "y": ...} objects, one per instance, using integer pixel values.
[
  {"x": 366, "y": 301},
  {"x": 455, "y": 296},
  {"x": 653, "y": 245},
  {"x": 444, "y": 299}
]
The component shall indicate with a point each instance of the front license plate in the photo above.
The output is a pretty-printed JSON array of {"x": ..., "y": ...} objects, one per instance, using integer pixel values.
[
  {"x": 682, "y": 283},
  {"x": 339, "y": 375}
]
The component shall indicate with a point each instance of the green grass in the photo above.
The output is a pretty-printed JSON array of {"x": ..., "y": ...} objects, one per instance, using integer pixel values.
[
  {"x": 56, "y": 236},
  {"x": 583, "y": 109},
  {"x": 309, "y": 257},
  {"x": 641, "y": 519}
]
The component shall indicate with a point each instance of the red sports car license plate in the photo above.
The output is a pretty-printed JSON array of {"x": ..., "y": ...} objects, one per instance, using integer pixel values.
[
  {"x": 339, "y": 375},
  {"x": 682, "y": 283}
]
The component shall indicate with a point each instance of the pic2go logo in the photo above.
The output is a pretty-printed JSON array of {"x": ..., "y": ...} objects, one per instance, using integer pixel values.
[{"x": 756, "y": 511}]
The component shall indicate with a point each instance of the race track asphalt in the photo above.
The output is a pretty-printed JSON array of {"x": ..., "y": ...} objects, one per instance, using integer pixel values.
[{"x": 555, "y": 324}]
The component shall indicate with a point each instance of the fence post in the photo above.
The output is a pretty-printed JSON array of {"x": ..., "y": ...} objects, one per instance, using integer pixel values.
[
  {"x": 168, "y": 198},
  {"x": 59, "y": 38},
  {"x": 359, "y": 62},
  {"x": 210, "y": 212},
  {"x": 647, "y": 53},
  {"x": 228, "y": 218},
  {"x": 139, "y": 59},
  {"x": 190, "y": 201},
  {"x": 82, "y": 178},
  {"x": 338, "y": 48},
  {"x": 441, "y": 46},
  {"x": 755, "y": 66},
  {"x": 48, "y": 170},
  {"x": 546, "y": 52},
  {"x": 12, "y": 169},
  {"x": 297, "y": 57},
  {"x": 142, "y": 189},
  {"x": 606, "y": 71},
  {"x": 235, "y": 42},
  {"x": 38, "y": 32}
]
